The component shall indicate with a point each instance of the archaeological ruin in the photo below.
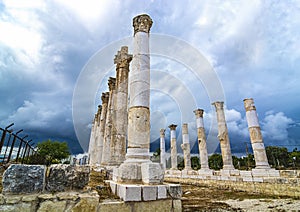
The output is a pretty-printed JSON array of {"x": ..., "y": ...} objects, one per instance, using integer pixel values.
[{"x": 119, "y": 147}]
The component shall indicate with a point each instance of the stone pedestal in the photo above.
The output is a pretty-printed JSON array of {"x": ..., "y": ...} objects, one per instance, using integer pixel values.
[
  {"x": 137, "y": 168},
  {"x": 162, "y": 149},
  {"x": 120, "y": 116},
  {"x": 108, "y": 122},
  {"x": 201, "y": 139},
  {"x": 223, "y": 136},
  {"x": 260, "y": 156},
  {"x": 186, "y": 147},
  {"x": 173, "y": 146}
]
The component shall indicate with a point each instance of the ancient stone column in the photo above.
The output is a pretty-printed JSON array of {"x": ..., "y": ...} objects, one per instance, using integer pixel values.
[
  {"x": 101, "y": 129},
  {"x": 93, "y": 149},
  {"x": 92, "y": 140},
  {"x": 137, "y": 167},
  {"x": 260, "y": 156},
  {"x": 223, "y": 136},
  {"x": 120, "y": 116},
  {"x": 201, "y": 139},
  {"x": 108, "y": 122},
  {"x": 162, "y": 148},
  {"x": 173, "y": 146},
  {"x": 186, "y": 147}
]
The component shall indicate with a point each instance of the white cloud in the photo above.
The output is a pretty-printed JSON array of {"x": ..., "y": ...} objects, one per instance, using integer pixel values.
[{"x": 275, "y": 126}]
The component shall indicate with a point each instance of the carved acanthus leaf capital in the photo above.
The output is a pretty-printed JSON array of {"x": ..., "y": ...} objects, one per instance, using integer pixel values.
[
  {"x": 199, "y": 113},
  {"x": 105, "y": 97},
  {"x": 218, "y": 105},
  {"x": 249, "y": 104},
  {"x": 172, "y": 126},
  {"x": 142, "y": 23},
  {"x": 112, "y": 83},
  {"x": 122, "y": 58}
]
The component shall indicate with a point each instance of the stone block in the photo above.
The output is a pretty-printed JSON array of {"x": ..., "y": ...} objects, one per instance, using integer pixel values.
[
  {"x": 149, "y": 193},
  {"x": 64, "y": 177},
  {"x": 86, "y": 203},
  {"x": 205, "y": 172},
  {"x": 247, "y": 179},
  {"x": 127, "y": 172},
  {"x": 114, "y": 206},
  {"x": 161, "y": 191},
  {"x": 23, "y": 179},
  {"x": 12, "y": 199},
  {"x": 47, "y": 197},
  {"x": 130, "y": 192},
  {"x": 246, "y": 173},
  {"x": 258, "y": 179},
  {"x": 113, "y": 187},
  {"x": 288, "y": 173},
  {"x": 29, "y": 198},
  {"x": 68, "y": 196},
  {"x": 152, "y": 173},
  {"x": 52, "y": 206},
  {"x": 174, "y": 190},
  {"x": 265, "y": 173}
]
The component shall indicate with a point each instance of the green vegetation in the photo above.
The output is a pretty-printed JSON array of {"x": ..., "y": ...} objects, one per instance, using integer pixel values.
[{"x": 50, "y": 152}]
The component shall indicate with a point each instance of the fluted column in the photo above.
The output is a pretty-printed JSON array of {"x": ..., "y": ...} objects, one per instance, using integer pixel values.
[
  {"x": 120, "y": 116},
  {"x": 162, "y": 148},
  {"x": 186, "y": 147},
  {"x": 108, "y": 122},
  {"x": 101, "y": 129},
  {"x": 223, "y": 136},
  {"x": 173, "y": 146},
  {"x": 201, "y": 139},
  {"x": 260, "y": 156}
]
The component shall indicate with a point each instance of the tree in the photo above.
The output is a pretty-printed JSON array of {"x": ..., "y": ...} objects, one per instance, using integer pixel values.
[
  {"x": 53, "y": 151},
  {"x": 215, "y": 161},
  {"x": 277, "y": 156},
  {"x": 195, "y": 162}
]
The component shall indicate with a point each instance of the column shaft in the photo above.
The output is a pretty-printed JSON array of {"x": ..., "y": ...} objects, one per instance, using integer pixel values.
[
  {"x": 108, "y": 123},
  {"x": 120, "y": 116},
  {"x": 223, "y": 136},
  {"x": 104, "y": 98},
  {"x": 201, "y": 139},
  {"x": 260, "y": 156},
  {"x": 173, "y": 146},
  {"x": 162, "y": 148},
  {"x": 186, "y": 147}
]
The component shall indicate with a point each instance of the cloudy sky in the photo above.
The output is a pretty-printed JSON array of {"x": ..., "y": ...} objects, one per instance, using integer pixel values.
[{"x": 56, "y": 56}]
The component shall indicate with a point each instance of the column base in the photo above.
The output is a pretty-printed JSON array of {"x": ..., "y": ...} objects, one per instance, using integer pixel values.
[
  {"x": 145, "y": 172},
  {"x": 139, "y": 193},
  {"x": 229, "y": 172},
  {"x": 269, "y": 172}
]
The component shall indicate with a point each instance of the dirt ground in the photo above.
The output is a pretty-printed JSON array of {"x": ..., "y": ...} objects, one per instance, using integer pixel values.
[{"x": 210, "y": 199}]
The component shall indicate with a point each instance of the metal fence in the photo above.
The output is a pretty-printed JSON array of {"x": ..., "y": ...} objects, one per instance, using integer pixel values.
[{"x": 14, "y": 148}]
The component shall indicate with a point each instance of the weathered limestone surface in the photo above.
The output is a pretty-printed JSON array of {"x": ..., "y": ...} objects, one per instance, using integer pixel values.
[
  {"x": 108, "y": 122},
  {"x": 186, "y": 147},
  {"x": 101, "y": 129},
  {"x": 71, "y": 201},
  {"x": 223, "y": 136},
  {"x": 162, "y": 149},
  {"x": 260, "y": 156},
  {"x": 120, "y": 116},
  {"x": 63, "y": 177},
  {"x": 201, "y": 139},
  {"x": 22, "y": 179},
  {"x": 173, "y": 146},
  {"x": 94, "y": 138}
]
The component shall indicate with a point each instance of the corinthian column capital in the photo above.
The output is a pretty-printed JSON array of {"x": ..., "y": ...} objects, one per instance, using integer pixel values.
[{"x": 142, "y": 23}]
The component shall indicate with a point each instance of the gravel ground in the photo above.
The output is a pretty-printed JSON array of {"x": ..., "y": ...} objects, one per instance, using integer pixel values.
[{"x": 210, "y": 199}]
